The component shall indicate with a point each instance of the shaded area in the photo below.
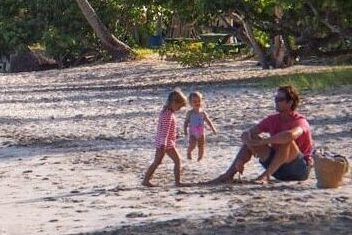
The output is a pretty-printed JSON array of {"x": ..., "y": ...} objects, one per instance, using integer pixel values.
[{"x": 238, "y": 224}]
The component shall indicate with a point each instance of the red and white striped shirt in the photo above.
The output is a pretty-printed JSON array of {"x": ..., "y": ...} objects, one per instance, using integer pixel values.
[{"x": 166, "y": 132}]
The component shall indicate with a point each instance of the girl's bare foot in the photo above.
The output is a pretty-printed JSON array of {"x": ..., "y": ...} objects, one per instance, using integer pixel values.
[
  {"x": 148, "y": 184},
  {"x": 189, "y": 156},
  {"x": 178, "y": 184}
]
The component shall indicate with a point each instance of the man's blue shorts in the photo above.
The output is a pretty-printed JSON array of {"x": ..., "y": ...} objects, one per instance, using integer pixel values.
[{"x": 295, "y": 170}]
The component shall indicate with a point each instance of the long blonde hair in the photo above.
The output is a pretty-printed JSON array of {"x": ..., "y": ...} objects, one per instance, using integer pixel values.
[{"x": 176, "y": 96}]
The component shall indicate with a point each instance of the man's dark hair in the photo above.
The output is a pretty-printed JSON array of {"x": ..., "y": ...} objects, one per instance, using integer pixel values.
[{"x": 291, "y": 94}]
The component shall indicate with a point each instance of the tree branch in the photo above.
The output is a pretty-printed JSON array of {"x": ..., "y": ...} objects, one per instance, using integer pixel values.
[{"x": 333, "y": 28}]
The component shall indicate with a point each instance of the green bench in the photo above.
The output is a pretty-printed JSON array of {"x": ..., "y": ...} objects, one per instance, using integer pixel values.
[{"x": 218, "y": 38}]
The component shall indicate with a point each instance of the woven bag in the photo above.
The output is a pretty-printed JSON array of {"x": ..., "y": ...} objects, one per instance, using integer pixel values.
[{"x": 329, "y": 170}]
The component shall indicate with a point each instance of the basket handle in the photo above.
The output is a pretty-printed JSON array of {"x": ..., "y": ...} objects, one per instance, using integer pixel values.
[{"x": 344, "y": 160}]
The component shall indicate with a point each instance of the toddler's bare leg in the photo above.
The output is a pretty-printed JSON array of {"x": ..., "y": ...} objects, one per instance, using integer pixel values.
[
  {"x": 201, "y": 146},
  {"x": 191, "y": 146}
]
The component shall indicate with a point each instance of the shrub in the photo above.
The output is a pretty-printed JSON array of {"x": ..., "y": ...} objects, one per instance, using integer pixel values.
[{"x": 191, "y": 54}]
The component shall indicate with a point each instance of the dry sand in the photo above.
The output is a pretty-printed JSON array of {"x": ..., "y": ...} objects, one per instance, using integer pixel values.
[{"x": 74, "y": 145}]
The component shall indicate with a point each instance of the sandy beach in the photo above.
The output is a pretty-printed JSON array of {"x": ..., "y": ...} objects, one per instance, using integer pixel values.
[{"x": 75, "y": 143}]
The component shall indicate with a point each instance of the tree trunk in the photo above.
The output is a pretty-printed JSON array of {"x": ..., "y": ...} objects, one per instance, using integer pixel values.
[
  {"x": 117, "y": 49},
  {"x": 280, "y": 50},
  {"x": 258, "y": 50}
]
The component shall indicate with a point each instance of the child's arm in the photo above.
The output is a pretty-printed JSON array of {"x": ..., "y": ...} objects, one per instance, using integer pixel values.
[
  {"x": 209, "y": 122},
  {"x": 185, "y": 125}
]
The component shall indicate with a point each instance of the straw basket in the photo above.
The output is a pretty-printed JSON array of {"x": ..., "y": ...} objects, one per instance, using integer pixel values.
[{"x": 329, "y": 171}]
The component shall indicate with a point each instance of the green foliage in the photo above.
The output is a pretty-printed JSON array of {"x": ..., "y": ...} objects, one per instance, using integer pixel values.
[
  {"x": 18, "y": 27},
  {"x": 60, "y": 28},
  {"x": 63, "y": 47},
  {"x": 262, "y": 38},
  {"x": 67, "y": 35},
  {"x": 142, "y": 53},
  {"x": 311, "y": 81},
  {"x": 310, "y": 26},
  {"x": 192, "y": 54}
]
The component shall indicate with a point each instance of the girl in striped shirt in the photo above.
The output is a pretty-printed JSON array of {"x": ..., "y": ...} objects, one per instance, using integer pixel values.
[{"x": 165, "y": 141}]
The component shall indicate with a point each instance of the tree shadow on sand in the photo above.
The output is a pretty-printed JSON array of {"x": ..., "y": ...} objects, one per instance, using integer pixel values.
[{"x": 240, "y": 224}]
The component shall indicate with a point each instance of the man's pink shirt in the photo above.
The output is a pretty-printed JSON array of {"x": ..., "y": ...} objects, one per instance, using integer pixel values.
[{"x": 273, "y": 125}]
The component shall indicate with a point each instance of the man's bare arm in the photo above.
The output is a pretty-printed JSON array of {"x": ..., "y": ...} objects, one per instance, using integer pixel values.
[
  {"x": 280, "y": 138},
  {"x": 248, "y": 136},
  {"x": 284, "y": 137}
]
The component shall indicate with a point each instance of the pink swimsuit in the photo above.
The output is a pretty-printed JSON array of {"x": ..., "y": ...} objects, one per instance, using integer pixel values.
[{"x": 196, "y": 124}]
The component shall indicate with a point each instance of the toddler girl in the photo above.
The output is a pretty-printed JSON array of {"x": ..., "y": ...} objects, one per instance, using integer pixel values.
[
  {"x": 195, "y": 124},
  {"x": 166, "y": 137}
]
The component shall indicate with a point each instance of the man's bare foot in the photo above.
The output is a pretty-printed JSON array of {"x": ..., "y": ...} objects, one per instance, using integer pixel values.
[
  {"x": 222, "y": 179},
  {"x": 199, "y": 158},
  {"x": 262, "y": 179},
  {"x": 148, "y": 184},
  {"x": 261, "y": 182}
]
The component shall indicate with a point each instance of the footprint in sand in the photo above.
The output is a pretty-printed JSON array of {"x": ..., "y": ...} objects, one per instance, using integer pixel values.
[
  {"x": 98, "y": 192},
  {"x": 75, "y": 191},
  {"x": 77, "y": 201},
  {"x": 82, "y": 211},
  {"x": 341, "y": 199},
  {"x": 50, "y": 199},
  {"x": 136, "y": 215},
  {"x": 179, "y": 192}
]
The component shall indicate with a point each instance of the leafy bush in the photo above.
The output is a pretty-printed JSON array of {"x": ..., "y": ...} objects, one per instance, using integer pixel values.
[
  {"x": 142, "y": 53},
  {"x": 191, "y": 54}
]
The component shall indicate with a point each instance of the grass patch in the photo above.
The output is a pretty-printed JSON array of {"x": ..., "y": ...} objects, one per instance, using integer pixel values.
[
  {"x": 142, "y": 53},
  {"x": 311, "y": 81}
]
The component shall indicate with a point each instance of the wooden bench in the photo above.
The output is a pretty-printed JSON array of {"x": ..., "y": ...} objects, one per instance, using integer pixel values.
[
  {"x": 180, "y": 40},
  {"x": 220, "y": 39}
]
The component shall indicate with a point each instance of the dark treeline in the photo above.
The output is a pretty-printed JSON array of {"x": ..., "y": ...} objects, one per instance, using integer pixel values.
[{"x": 278, "y": 31}]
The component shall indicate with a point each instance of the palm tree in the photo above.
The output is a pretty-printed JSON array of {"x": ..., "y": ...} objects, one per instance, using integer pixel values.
[{"x": 117, "y": 49}]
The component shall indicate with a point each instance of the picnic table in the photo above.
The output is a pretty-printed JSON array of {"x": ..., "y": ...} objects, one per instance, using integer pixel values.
[
  {"x": 212, "y": 37},
  {"x": 179, "y": 40},
  {"x": 216, "y": 38},
  {"x": 219, "y": 39}
]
